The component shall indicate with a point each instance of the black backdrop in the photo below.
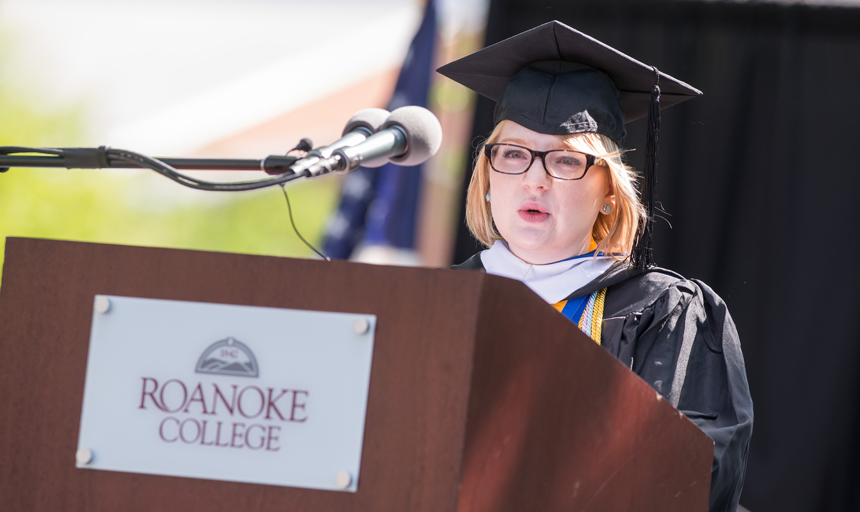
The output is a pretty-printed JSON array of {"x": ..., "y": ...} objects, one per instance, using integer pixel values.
[{"x": 758, "y": 176}]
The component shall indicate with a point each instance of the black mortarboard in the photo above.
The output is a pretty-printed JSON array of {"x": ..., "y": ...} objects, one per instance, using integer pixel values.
[{"x": 556, "y": 80}]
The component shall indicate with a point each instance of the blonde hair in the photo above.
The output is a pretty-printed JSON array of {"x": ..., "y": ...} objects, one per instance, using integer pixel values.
[{"x": 614, "y": 233}]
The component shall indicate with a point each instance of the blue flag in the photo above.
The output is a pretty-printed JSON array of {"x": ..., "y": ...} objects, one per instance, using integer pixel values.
[{"x": 379, "y": 207}]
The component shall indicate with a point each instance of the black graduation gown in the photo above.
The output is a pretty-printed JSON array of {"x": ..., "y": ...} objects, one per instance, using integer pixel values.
[{"x": 677, "y": 335}]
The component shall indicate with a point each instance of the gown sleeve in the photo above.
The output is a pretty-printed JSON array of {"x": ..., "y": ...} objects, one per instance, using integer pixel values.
[
  {"x": 678, "y": 336},
  {"x": 714, "y": 393}
]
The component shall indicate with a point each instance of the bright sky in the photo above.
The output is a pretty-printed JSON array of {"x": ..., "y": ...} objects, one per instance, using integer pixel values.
[{"x": 166, "y": 77}]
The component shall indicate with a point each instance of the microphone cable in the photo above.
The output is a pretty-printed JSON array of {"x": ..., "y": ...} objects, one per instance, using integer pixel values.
[
  {"x": 198, "y": 184},
  {"x": 292, "y": 222},
  {"x": 304, "y": 145}
]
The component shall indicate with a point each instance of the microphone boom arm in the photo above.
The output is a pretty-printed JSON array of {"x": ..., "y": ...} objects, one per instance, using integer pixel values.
[
  {"x": 105, "y": 157},
  {"x": 89, "y": 158}
]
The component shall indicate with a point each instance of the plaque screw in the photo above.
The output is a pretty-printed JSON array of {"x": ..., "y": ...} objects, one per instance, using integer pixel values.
[
  {"x": 102, "y": 304},
  {"x": 343, "y": 479},
  {"x": 84, "y": 456},
  {"x": 361, "y": 326}
]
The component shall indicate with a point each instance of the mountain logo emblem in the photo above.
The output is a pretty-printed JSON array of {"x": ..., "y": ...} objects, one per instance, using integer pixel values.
[{"x": 228, "y": 357}]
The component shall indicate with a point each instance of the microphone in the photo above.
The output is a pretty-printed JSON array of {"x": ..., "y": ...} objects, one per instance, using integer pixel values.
[
  {"x": 408, "y": 137},
  {"x": 360, "y": 126}
]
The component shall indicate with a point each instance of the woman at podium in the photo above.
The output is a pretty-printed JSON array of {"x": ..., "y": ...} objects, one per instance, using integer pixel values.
[{"x": 557, "y": 208}]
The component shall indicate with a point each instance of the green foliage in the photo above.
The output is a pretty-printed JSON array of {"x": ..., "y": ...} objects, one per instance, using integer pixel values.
[{"x": 141, "y": 207}]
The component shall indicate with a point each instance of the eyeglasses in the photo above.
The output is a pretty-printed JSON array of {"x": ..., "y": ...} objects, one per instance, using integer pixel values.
[{"x": 562, "y": 164}]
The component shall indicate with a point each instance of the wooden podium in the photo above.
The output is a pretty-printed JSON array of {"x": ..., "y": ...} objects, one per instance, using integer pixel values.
[{"x": 482, "y": 397}]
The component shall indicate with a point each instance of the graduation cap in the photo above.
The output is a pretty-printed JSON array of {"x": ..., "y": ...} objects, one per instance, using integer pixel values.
[{"x": 556, "y": 80}]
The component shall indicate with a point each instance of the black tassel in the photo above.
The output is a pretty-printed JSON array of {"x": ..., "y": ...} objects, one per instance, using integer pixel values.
[{"x": 642, "y": 251}]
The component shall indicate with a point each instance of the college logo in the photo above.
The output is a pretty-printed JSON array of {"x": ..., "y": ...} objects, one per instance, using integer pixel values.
[{"x": 228, "y": 357}]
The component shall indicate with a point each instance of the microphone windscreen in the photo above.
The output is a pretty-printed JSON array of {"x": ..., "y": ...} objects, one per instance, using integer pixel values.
[
  {"x": 423, "y": 134},
  {"x": 370, "y": 118}
]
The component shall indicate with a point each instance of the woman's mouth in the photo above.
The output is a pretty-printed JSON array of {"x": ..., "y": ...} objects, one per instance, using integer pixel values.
[{"x": 533, "y": 213}]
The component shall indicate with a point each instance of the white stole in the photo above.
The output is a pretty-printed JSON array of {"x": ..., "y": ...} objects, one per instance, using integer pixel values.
[{"x": 553, "y": 282}]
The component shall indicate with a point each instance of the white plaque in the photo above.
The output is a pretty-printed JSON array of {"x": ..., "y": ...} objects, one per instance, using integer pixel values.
[{"x": 239, "y": 393}]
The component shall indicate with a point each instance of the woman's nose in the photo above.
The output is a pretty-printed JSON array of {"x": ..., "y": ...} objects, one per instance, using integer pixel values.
[{"x": 536, "y": 175}]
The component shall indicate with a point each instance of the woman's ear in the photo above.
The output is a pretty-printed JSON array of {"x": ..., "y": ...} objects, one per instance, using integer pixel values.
[{"x": 609, "y": 199}]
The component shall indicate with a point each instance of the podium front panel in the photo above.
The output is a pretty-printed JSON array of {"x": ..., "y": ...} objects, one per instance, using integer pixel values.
[{"x": 416, "y": 407}]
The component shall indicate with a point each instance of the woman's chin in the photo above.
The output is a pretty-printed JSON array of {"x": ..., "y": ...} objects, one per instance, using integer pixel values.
[
  {"x": 541, "y": 247},
  {"x": 532, "y": 236},
  {"x": 534, "y": 251}
]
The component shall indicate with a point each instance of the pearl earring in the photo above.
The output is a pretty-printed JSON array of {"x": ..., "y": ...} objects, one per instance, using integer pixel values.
[
  {"x": 488, "y": 197},
  {"x": 607, "y": 208}
]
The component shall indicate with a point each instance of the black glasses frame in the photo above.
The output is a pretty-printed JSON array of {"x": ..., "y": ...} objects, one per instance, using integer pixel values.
[{"x": 488, "y": 149}]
